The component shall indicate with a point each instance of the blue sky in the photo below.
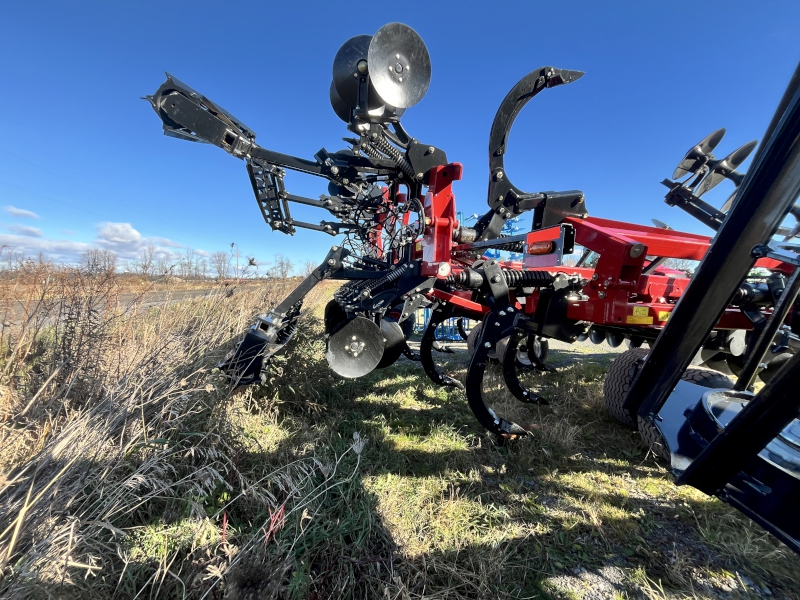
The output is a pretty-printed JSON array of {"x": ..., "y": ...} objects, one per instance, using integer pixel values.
[{"x": 83, "y": 161}]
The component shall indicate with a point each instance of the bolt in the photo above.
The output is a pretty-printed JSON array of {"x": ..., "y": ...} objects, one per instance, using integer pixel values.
[
  {"x": 497, "y": 323},
  {"x": 354, "y": 338},
  {"x": 510, "y": 309},
  {"x": 601, "y": 295},
  {"x": 496, "y": 422},
  {"x": 499, "y": 175},
  {"x": 487, "y": 345},
  {"x": 374, "y": 136},
  {"x": 334, "y": 170},
  {"x": 397, "y": 56},
  {"x": 400, "y": 79},
  {"x": 331, "y": 262},
  {"x": 420, "y": 175},
  {"x": 366, "y": 293},
  {"x": 502, "y": 313},
  {"x": 431, "y": 149},
  {"x": 345, "y": 181},
  {"x": 594, "y": 276},
  {"x": 496, "y": 279}
]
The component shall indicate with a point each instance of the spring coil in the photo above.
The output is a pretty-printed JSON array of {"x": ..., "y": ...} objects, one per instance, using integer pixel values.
[
  {"x": 516, "y": 278},
  {"x": 290, "y": 324},
  {"x": 513, "y": 278},
  {"x": 386, "y": 148},
  {"x": 366, "y": 287}
]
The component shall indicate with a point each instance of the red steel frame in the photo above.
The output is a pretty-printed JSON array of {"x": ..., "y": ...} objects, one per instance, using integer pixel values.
[{"x": 616, "y": 291}]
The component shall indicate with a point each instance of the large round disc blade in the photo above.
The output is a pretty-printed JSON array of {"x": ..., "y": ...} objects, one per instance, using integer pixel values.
[
  {"x": 345, "y": 70},
  {"x": 399, "y": 65},
  {"x": 339, "y": 106},
  {"x": 356, "y": 348},
  {"x": 394, "y": 341}
]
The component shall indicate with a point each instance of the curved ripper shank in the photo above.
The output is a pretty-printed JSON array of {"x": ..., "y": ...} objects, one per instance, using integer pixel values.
[{"x": 438, "y": 315}]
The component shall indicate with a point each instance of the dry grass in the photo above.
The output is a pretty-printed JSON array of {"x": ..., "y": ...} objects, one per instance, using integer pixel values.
[{"x": 130, "y": 470}]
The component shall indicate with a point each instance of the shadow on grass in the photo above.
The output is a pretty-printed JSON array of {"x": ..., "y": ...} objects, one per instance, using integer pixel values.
[{"x": 439, "y": 510}]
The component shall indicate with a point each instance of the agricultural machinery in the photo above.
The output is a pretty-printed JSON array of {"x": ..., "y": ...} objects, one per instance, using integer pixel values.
[{"x": 391, "y": 199}]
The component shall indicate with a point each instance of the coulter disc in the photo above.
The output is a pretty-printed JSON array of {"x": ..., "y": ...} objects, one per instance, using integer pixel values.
[
  {"x": 399, "y": 65},
  {"x": 356, "y": 348}
]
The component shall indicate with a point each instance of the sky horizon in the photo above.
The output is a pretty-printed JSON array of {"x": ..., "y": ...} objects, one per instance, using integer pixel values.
[{"x": 83, "y": 162}]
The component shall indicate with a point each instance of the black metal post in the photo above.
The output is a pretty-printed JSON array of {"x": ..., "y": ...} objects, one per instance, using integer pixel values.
[
  {"x": 767, "y": 193},
  {"x": 759, "y": 422}
]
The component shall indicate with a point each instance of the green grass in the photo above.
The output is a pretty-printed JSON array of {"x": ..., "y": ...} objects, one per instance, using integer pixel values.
[
  {"x": 386, "y": 487},
  {"x": 454, "y": 515}
]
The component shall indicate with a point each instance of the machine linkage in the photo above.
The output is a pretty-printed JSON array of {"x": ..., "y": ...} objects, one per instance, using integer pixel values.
[{"x": 390, "y": 197}]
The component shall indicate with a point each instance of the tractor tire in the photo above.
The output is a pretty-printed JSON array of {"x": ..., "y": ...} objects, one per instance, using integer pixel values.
[
  {"x": 651, "y": 436},
  {"x": 618, "y": 382}
]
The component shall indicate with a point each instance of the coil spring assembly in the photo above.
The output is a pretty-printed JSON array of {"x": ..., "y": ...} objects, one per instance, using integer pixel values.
[
  {"x": 474, "y": 279},
  {"x": 290, "y": 324},
  {"x": 527, "y": 278},
  {"x": 384, "y": 147},
  {"x": 353, "y": 291}
]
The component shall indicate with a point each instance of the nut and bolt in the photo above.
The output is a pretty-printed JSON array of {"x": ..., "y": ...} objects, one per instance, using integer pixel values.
[
  {"x": 420, "y": 175},
  {"x": 510, "y": 309},
  {"x": 496, "y": 279},
  {"x": 331, "y": 261},
  {"x": 431, "y": 149},
  {"x": 594, "y": 276},
  {"x": 487, "y": 345},
  {"x": 502, "y": 313},
  {"x": 601, "y": 295},
  {"x": 334, "y": 169}
]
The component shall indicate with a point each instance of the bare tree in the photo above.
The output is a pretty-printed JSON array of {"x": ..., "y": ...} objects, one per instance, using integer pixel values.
[
  {"x": 285, "y": 266},
  {"x": 99, "y": 260},
  {"x": 163, "y": 265},
  {"x": 220, "y": 264},
  {"x": 681, "y": 264},
  {"x": 308, "y": 267},
  {"x": 200, "y": 268},
  {"x": 147, "y": 260}
]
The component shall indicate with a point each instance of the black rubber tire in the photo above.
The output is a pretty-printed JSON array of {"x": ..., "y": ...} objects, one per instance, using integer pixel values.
[
  {"x": 650, "y": 434},
  {"x": 618, "y": 381}
]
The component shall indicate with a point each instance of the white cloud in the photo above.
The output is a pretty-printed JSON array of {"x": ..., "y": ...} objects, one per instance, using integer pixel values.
[
  {"x": 21, "y": 212},
  {"x": 58, "y": 250},
  {"x": 26, "y": 230},
  {"x": 128, "y": 243},
  {"x": 68, "y": 232},
  {"x": 122, "y": 238}
]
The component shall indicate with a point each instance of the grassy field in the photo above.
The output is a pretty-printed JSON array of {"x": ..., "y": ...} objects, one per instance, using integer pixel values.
[{"x": 129, "y": 469}]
